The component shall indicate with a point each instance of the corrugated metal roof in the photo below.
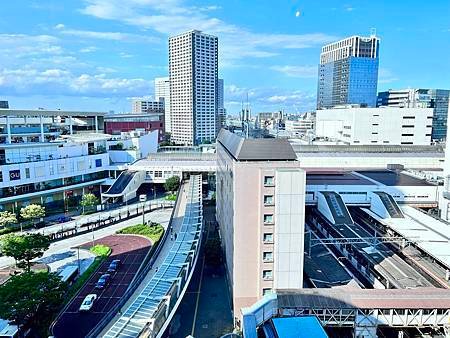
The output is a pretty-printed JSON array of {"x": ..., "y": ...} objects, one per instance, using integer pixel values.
[
  {"x": 420, "y": 298},
  {"x": 256, "y": 149},
  {"x": 313, "y": 148}
]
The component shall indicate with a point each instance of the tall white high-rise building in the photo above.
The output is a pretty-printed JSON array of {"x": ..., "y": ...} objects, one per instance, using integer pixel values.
[
  {"x": 221, "y": 111},
  {"x": 193, "y": 76},
  {"x": 162, "y": 91}
]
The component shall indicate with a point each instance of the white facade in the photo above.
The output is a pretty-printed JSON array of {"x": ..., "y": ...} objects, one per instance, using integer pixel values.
[
  {"x": 162, "y": 91},
  {"x": 380, "y": 126},
  {"x": 299, "y": 127},
  {"x": 145, "y": 106},
  {"x": 193, "y": 69}
]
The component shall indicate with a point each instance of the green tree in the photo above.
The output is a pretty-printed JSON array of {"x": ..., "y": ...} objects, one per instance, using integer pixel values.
[
  {"x": 31, "y": 298},
  {"x": 172, "y": 183},
  {"x": 32, "y": 212},
  {"x": 7, "y": 218},
  {"x": 88, "y": 200},
  {"x": 24, "y": 248}
]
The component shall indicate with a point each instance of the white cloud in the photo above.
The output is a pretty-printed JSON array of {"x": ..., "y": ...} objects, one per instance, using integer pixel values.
[
  {"x": 88, "y": 49},
  {"x": 112, "y": 36},
  {"x": 173, "y": 16},
  {"x": 269, "y": 98},
  {"x": 30, "y": 81},
  {"x": 20, "y": 45},
  {"x": 386, "y": 76},
  {"x": 125, "y": 55},
  {"x": 306, "y": 72}
]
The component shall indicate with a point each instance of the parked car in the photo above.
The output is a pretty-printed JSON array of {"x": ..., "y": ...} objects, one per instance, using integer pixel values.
[
  {"x": 114, "y": 265},
  {"x": 88, "y": 302},
  {"x": 103, "y": 281},
  {"x": 64, "y": 219}
]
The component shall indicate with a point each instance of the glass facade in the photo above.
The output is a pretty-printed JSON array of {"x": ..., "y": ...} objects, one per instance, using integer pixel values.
[{"x": 348, "y": 73}]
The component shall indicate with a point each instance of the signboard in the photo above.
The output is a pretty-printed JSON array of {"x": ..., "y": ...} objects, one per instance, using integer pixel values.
[{"x": 14, "y": 175}]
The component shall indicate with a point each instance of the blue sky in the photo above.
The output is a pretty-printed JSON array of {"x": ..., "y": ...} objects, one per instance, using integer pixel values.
[{"x": 98, "y": 54}]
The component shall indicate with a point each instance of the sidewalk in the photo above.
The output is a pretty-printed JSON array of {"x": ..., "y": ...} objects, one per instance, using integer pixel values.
[{"x": 63, "y": 247}]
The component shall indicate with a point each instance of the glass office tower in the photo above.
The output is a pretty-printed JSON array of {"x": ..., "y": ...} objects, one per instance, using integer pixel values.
[{"x": 348, "y": 72}]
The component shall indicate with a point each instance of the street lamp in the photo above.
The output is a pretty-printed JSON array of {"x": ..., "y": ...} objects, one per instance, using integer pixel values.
[
  {"x": 78, "y": 259},
  {"x": 143, "y": 198}
]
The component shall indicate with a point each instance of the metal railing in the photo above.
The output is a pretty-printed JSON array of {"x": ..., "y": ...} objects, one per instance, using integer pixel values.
[{"x": 137, "y": 279}]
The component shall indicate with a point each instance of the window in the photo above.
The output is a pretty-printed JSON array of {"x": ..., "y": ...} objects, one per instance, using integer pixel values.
[
  {"x": 268, "y": 219},
  {"x": 267, "y": 275},
  {"x": 268, "y": 256},
  {"x": 1, "y": 176},
  {"x": 407, "y": 134},
  {"x": 408, "y": 126},
  {"x": 98, "y": 162},
  {"x": 268, "y": 180},
  {"x": 409, "y": 117},
  {"x": 268, "y": 238},
  {"x": 406, "y": 143},
  {"x": 267, "y": 291},
  {"x": 268, "y": 200},
  {"x": 27, "y": 172}
]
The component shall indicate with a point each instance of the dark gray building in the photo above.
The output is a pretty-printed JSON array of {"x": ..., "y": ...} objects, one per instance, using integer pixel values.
[
  {"x": 438, "y": 99},
  {"x": 4, "y": 105},
  {"x": 348, "y": 72}
]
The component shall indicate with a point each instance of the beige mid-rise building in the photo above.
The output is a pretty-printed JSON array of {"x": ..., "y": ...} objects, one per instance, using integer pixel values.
[{"x": 260, "y": 211}]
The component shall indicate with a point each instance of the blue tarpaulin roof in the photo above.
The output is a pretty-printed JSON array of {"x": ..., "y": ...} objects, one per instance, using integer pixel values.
[{"x": 299, "y": 327}]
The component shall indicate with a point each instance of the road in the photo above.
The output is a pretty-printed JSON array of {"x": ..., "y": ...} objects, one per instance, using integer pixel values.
[
  {"x": 131, "y": 251},
  {"x": 61, "y": 250},
  {"x": 205, "y": 310},
  {"x": 165, "y": 249}
]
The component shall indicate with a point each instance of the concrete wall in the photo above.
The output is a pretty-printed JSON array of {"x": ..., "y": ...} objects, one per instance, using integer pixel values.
[
  {"x": 289, "y": 229},
  {"x": 376, "y": 125}
]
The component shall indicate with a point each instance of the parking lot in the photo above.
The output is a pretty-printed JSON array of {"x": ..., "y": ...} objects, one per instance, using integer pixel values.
[{"x": 131, "y": 250}]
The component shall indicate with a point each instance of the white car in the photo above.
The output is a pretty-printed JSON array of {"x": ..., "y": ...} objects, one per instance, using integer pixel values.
[{"x": 88, "y": 302}]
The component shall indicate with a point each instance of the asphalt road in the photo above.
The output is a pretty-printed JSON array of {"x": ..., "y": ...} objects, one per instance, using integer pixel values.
[{"x": 131, "y": 250}]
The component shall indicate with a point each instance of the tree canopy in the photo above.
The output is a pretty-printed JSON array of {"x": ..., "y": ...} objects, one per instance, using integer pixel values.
[
  {"x": 89, "y": 200},
  {"x": 7, "y": 218},
  {"x": 31, "y": 296},
  {"x": 24, "y": 248},
  {"x": 32, "y": 211},
  {"x": 172, "y": 183}
]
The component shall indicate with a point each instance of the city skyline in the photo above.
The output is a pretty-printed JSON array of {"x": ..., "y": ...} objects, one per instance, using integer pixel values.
[{"x": 99, "y": 54}]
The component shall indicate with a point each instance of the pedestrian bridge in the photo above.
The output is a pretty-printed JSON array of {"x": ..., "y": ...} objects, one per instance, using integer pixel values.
[
  {"x": 362, "y": 309},
  {"x": 160, "y": 166}
]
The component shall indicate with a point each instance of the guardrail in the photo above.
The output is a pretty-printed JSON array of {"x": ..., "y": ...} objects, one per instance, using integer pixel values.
[
  {"x": 134, "y": 282},
  {"x": 99, "y": 221},
  {"x": 137, "y": 279}
]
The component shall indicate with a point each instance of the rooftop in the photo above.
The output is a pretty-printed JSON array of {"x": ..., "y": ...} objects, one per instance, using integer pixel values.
[
  {"x": 394, "y": 178},
  {"x": 335, "y": 178},
  {"x": 377, "y": 149},
  {"x": 343, "y": 298},
  {"x": 432, "y": 235},
  {"x": 299, "y": 327},
  {"x": 86, "y": 137},
  {"x": 47, "y": 112},
  {"x": 256, "y": 149}
]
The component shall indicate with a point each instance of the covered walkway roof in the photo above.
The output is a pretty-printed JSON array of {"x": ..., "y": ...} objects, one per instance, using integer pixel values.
[
  {"x": 432, "y": 235},
  {"x": 141, "y": 311}
]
